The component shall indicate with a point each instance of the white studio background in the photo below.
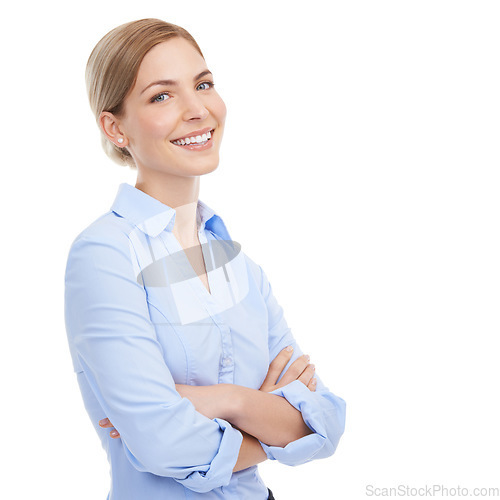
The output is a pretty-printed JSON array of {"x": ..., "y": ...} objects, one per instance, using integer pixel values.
[{"x": 360, "y": 168}]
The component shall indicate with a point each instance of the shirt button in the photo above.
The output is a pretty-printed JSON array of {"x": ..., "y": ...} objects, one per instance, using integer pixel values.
[{"x": 227, "y": 361}]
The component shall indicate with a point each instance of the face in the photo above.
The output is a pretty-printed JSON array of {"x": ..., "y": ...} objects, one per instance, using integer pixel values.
[{"x": 173, "y": 118}]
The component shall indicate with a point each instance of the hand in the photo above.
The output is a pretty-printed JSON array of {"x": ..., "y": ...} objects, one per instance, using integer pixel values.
[
  {"x": 105, "y": 423},
  {"x": 300, "y": 369}
]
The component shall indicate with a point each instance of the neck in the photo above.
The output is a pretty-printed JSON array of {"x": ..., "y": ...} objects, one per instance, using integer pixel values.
[
  {"x": 180, "y": 193},
  {"x": 185, "y": 225}
]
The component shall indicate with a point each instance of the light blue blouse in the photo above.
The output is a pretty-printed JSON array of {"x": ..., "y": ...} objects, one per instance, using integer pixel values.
[{"x": 139, "y": 320}]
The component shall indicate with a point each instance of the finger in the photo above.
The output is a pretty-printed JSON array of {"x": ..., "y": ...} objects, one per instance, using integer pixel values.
[
  {"x": 277, "y": 365},
  {"x": 105, "y": 423},
  {"x": 295, "y": 370},
  {"x": 307, "y": 375},
  {"x": 114, "y": 434},
  {"x": 312, "y": 385}
]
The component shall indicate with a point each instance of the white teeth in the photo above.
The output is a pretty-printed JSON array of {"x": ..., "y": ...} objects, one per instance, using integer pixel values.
[{"x": 193, "y": 140}]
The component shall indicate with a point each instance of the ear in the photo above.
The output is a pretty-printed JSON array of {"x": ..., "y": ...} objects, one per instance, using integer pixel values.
[{"x": 111, "y": 128}]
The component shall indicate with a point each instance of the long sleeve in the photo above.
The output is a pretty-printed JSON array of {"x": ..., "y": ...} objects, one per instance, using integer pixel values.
[
  {"x": 322, "y": 411},
  {"x": 113, "y": 341}
]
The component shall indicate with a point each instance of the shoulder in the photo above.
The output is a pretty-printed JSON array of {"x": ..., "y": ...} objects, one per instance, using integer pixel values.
[
  {"x": 107, "y": 238},
  {"x": 109, "y": 228}
]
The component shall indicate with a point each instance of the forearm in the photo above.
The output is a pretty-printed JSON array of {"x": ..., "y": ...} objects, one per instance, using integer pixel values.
[
  {"x": 251, "y": 453},
  {"x": 269, "y": 418}
]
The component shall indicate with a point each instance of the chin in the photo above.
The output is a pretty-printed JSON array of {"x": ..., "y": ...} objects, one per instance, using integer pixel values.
[
  {"x": 204, "y": 166},
  {"x": 208, "y": 168},
  {"x": 195, "y": 170}
]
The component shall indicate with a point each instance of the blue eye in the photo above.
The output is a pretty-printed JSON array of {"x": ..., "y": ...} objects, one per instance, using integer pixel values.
[
  {"x": 205, "y": 85},
  {"x": 160, "y": 97}
]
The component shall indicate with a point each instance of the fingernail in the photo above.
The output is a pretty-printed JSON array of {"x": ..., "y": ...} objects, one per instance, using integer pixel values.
[
  {"x": 289, "y": 348},
  {"x": 113, "y": 433},
  {"x": 313, "y": 367},
  {"x": 308, "y": 358},
  {"x": 313, "y": 381},
  {"x": 104, "y": 421}
]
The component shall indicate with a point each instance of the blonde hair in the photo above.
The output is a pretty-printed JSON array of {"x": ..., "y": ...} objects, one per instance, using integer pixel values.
[{"x": 113, "y": 66}]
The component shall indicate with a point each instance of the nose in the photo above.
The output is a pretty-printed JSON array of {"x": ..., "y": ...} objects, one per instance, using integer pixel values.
[{"x": 195, "y": 108}]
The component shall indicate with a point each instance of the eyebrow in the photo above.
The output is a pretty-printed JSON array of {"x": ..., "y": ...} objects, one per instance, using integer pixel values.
[{"x": 174, "y": 82}]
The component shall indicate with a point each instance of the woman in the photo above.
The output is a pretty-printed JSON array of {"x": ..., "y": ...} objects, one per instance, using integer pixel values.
[{"x": 177, "y": 340}]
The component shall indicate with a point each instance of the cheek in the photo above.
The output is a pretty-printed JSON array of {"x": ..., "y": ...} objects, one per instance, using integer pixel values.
[{"x": 155, "y": 125}]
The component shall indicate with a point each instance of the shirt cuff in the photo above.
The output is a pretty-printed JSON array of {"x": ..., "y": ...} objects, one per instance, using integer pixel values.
[
  {"x": 221, "y": 468},
  {"x": 304, "y": 449}
]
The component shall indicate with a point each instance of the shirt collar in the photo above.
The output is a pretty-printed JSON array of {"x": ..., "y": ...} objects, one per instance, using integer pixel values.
[{"x": 152, "y": 216}]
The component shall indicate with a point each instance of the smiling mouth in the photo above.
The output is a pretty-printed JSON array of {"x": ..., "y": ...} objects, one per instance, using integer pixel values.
[{"x": 199, "y": 139}]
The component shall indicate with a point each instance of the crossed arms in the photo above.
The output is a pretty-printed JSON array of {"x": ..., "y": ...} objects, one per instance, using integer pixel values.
[
  {"x": 259, "y": 415},
  {"x": 164, "y": 427}
]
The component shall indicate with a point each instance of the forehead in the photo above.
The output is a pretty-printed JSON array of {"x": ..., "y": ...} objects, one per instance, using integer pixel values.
[{"x": 172, "y": 59}]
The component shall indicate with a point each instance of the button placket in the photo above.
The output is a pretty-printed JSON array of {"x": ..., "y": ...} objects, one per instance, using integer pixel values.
[{"x": 226, "y": 368}]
